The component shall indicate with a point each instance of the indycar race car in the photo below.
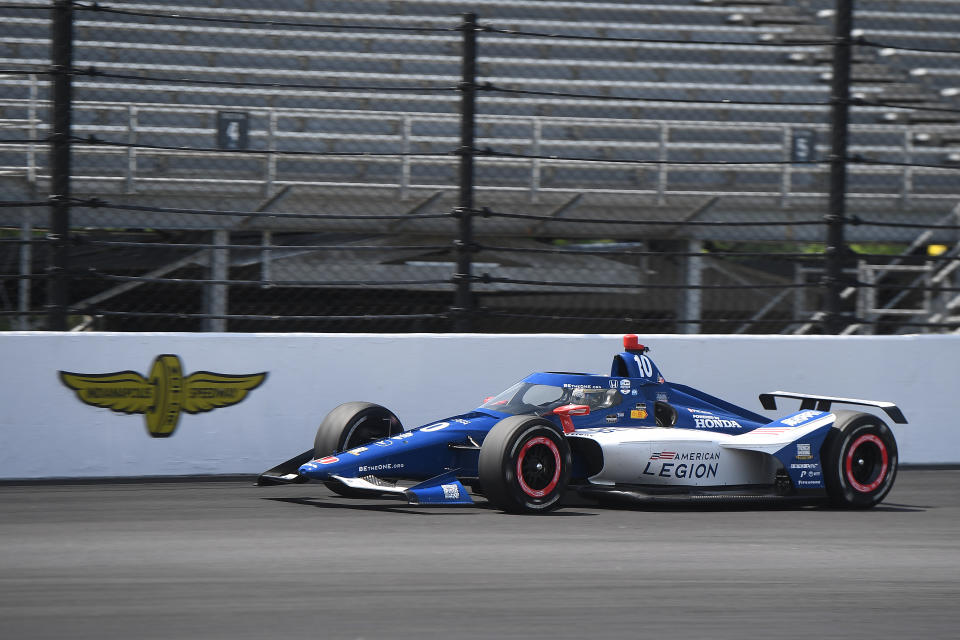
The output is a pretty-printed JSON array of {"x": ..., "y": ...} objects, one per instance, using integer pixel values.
[{"x": 631, "y": 435}]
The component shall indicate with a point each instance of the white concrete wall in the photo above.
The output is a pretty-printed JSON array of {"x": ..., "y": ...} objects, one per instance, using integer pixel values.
[{"x": 46, "y": 431}]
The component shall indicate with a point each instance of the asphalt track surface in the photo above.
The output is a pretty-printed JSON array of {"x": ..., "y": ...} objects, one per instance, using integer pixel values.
[{"x": 225, "y": 559}]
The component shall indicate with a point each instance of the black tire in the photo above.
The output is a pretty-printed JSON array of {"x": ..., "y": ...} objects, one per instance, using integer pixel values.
[
  {"x": 351, "y": 425},
  {"x": 859, "y": 459},
  {"x": 524, "y": 465}
]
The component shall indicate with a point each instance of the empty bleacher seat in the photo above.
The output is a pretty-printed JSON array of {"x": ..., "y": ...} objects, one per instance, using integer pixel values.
[{"x": 698, "y": 93}]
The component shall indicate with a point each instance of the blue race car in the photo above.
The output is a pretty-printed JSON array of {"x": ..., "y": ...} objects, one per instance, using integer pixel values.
[{"x": 627, "y": 436}]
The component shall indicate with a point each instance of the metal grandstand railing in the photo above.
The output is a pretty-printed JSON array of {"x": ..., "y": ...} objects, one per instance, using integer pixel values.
[{"x": 675, "y": 149}]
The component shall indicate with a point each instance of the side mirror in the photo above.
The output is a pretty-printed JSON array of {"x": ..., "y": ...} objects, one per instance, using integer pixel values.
[{"x": 566, "y": 411}]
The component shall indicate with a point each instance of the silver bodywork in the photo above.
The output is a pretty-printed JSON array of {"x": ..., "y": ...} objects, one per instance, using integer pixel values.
[{"x": 681, "y": 457}]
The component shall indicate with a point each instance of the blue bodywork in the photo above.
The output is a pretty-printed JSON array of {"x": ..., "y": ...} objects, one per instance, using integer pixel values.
[
  {"x": 801, "y": 458},
  {"x": 442, "y": 456},
  {"x": 450, "y": 447},
  {"x": 417, "y": 454}
]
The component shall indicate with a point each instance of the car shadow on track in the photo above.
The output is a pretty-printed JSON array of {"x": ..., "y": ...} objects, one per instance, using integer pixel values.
[
  {"x": 570, "y": 507},
  {"x": 699, "y": 506},
  {"x": 906, "y": 508},
  {"x": 320, "y": 503},
  {"x": 385, "y": 507}
]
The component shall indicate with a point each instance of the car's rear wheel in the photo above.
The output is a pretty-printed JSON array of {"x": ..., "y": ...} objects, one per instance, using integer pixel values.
[
  {"x": 351, "y": 425},
  {"x": 524, "y": 465},
  {"x": 859, "y": 458}
]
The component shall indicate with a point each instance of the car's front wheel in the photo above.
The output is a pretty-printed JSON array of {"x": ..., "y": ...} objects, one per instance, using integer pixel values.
[
  {"x": 351, "y": 425},
  {"x": 859, "y": 458},
  {"x": 524, "y": 465}
]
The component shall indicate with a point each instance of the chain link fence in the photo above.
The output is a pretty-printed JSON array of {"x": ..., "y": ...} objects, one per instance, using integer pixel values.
[{"x": 552, "y": 166}]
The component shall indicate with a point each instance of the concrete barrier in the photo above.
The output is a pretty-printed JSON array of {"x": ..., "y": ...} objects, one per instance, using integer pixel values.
[{"x": 221, "y": 418}]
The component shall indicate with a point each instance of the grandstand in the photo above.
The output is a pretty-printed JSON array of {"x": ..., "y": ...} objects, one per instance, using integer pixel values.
[{"x": 676, "y": 112}]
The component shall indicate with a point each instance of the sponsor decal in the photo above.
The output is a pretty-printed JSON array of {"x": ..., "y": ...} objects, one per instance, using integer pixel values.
[
  {"x": 450, "y": 491},
  {"x": 435, "y": 427},
  {"x": 380, "y": 467},
  {"x": 639, "y": 412},
  {"x": 357, "y": 451},
  {"x": 683, "y": 464},
  {"x": 699, "y": 455},
  {"x": 162, "y": 395},
  {"x": 800, "y": 418},
  {"x": 662, "y": 397},
  {"x": 809, "y": 483},
  {"x": 634, "y": 392},
  {"x": 809, "y": 474},
  {"x": 570, "y": 385},
  {"x": 329, "y": 460},
  {"x": 613, "y": 384},
  {"x": 403, "y": 436},
  {"x": 461, "y": 421},
  {"x": 803, "y": 451},
  {"x": 805, "y": 465},
  {"x": 383, "y": 443},
  {"x": 611, "y": 418},
  {"x": 624, "y": 385},
  {"x": 713, "y": 422}
]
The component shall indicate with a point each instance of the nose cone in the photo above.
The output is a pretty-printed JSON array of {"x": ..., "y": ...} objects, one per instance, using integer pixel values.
[{"x": 324, "y": 467}]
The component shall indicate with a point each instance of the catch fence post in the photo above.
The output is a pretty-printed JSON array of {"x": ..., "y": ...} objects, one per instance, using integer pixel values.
[
  {"x": 835, "y": 219},
  {"x": 61, "y": 57},
  {"x": 464, "y": 307}
]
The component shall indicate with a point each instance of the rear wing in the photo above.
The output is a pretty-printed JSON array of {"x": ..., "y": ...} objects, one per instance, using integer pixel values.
[{"x": 822, "y": 403}]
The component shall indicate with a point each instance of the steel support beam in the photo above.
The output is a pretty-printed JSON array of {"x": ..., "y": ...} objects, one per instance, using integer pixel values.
[
  {"x": 219, "y": 272},
  {"x": 693, "y": 294},
  {"x": 26, "y": 270}
]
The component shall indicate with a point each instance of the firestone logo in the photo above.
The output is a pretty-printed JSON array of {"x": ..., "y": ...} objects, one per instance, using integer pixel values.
[{"x": 163, "y": 395}]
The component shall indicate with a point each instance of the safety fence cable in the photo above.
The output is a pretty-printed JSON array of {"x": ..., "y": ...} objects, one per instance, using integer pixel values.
[
  {"x": 722, "y": 101},
  {"x": 866, "y": 42},
  {"x": 571, "y": 36},
  {"x": 96, "y": 203},
  {"x": 97, "y": 7}
]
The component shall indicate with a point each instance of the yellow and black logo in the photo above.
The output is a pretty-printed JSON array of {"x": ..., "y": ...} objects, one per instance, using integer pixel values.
[{"x": 164, "y": 395}]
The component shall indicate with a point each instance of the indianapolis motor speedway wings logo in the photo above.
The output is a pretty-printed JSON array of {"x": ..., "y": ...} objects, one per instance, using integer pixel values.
[{"x": 164, "y": 395}]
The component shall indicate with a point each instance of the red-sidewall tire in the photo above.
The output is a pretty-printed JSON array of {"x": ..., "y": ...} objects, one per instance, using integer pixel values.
[
  {"x": 859, "y": 459},
  {"x": 524, "y": 465},
  {"x": 351, "y": 425}
]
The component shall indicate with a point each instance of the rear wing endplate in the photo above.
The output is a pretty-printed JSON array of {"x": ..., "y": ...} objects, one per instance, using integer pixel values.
[{"x": 822, "y": 403}]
